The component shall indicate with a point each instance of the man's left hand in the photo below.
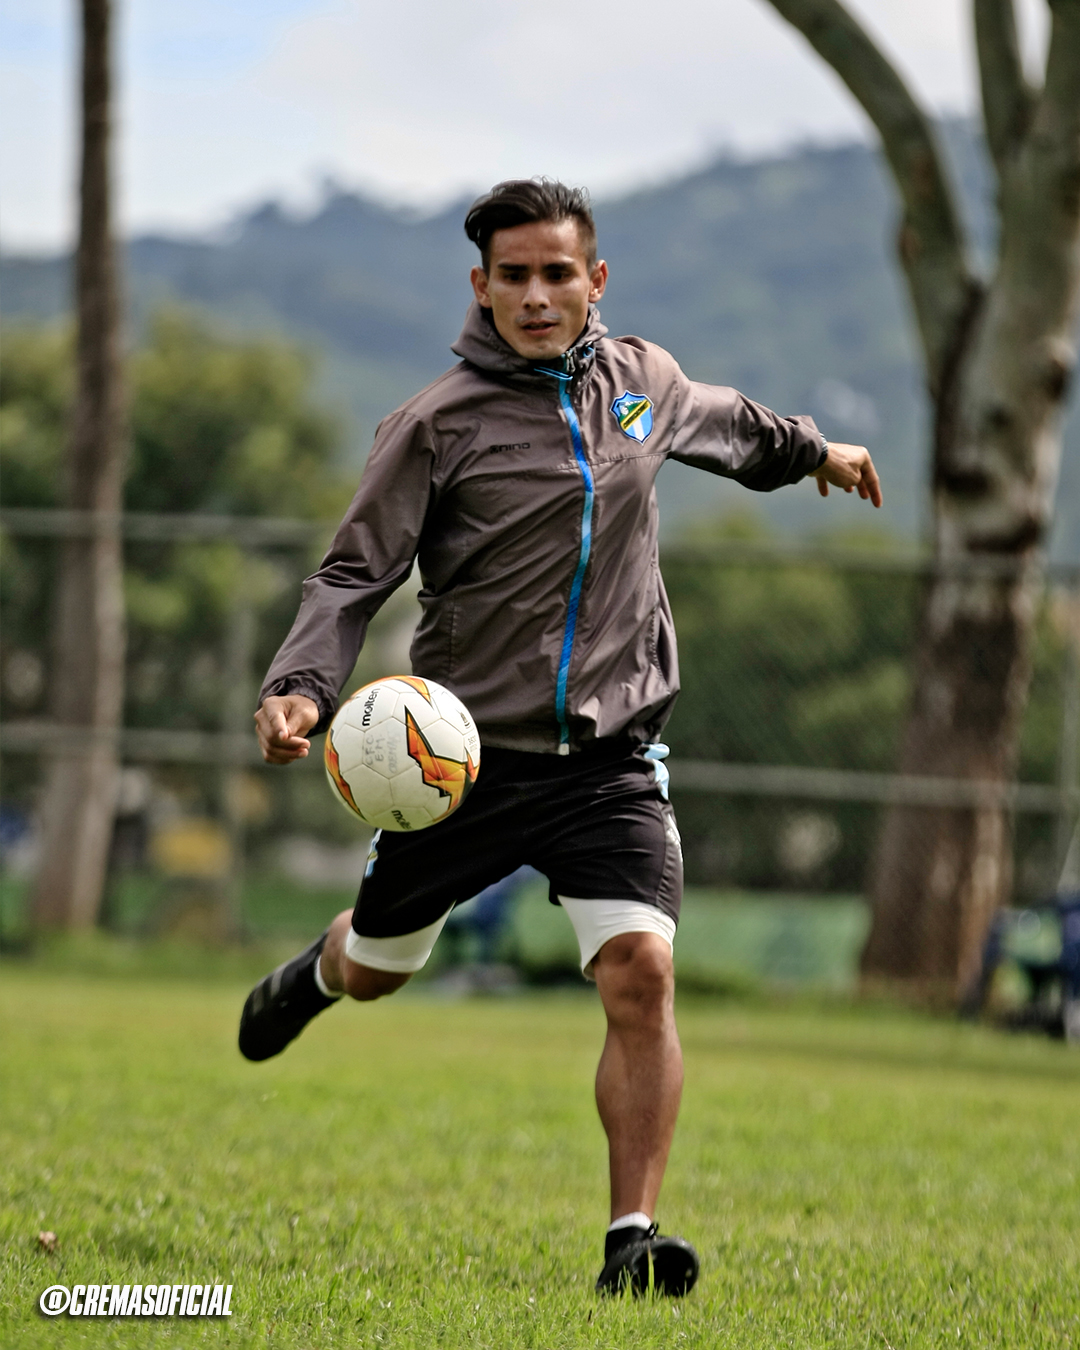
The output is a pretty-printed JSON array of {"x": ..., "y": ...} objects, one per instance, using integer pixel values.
[{"x": 851, "y": 468}]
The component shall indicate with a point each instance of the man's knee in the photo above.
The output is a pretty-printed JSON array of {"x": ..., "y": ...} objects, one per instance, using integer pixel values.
[
  {"x": 365, "y": 983},
  {"x": 636, "y": 975}
]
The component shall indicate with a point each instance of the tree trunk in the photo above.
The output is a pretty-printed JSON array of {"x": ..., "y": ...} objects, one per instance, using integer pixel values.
[
  {"x": 998, "y": 358},
  {"x": 940, "y": 876},
  {"x": 79, "y": 794}
]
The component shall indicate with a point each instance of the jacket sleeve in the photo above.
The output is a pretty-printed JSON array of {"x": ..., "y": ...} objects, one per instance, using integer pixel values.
[
  {"x": 719, "y": 430},
  {"x": 371, "y": 555}
]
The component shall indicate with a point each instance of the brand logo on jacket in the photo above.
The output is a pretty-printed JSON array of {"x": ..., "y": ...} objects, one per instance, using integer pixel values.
[
  {"x": 501, "y": 449},
  {"x": 633, "y": 412}
]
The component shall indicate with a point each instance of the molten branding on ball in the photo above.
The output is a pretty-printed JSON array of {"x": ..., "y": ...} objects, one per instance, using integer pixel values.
[{"x": 451, "y": 777}]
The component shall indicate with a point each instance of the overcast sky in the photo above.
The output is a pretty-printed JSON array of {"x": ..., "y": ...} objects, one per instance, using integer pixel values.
[{"x": 223, "y": 103}]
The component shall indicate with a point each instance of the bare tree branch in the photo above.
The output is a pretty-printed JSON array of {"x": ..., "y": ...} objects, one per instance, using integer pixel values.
[
  {"x": 1008, "y": 100},
  {"x": 931, "y": 244},
  {"x": 1036, "y": 292},
  {"x": 1053, "y": 146}
]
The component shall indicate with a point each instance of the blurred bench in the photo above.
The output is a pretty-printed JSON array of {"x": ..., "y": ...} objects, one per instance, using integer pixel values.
[{"x": 1043, "y": 943}]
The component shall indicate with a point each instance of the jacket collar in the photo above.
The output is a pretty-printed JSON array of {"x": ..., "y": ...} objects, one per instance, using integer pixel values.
[{"x": 481, "y": 345}]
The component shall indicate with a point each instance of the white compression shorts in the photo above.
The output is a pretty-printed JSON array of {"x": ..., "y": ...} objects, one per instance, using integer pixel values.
[{"x": 595, "y": 922}]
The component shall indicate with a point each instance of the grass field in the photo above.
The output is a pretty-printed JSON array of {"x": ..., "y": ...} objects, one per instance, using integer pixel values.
[{"x": 425, "y": 1173}]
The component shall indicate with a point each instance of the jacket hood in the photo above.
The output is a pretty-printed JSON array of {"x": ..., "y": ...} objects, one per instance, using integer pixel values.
[{"x": 481, "y": 345}]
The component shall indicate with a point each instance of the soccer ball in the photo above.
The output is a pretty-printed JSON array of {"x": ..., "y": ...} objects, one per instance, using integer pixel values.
[{"x": 401, "y": 753}]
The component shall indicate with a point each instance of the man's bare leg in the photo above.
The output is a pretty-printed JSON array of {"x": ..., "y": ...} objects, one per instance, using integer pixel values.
[
  {"x": 339, "y": 973},
  {"x": 639, "y": 1080}
]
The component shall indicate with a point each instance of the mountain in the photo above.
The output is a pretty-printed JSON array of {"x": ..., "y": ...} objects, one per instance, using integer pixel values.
[{"x": 777, "y": 276}]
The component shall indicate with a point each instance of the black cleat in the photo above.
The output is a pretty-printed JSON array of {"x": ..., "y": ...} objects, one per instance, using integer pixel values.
[
  {"x": 667, "y": 1266},
  {"x": 282, "y": 1004}
]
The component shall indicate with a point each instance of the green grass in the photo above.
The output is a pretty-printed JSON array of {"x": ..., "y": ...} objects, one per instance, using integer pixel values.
[{"x": 423, "y": 1173}]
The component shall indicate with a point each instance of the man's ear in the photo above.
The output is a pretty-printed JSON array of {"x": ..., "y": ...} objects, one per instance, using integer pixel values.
[
  {"x": 479, "y": 280},
  {"x": 597, "y": 281}
]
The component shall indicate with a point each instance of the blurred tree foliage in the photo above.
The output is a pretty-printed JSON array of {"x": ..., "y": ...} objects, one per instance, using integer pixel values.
[
  {"x": 36, "y": 386},
  {"x": 835, "y": 641},
  {"x": 218, "y": 426}
]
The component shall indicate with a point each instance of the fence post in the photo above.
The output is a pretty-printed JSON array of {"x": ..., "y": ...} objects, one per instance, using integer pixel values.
[
  {"x": 238, "y": 654},
  {"x": 1069, "y": 744}
]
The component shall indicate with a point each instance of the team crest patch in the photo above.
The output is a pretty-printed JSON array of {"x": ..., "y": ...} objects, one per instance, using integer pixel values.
[{"x": 633, "y": 412}]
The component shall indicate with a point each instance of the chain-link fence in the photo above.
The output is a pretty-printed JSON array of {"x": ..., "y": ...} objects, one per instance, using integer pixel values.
[
  {"x": 796, "y": 671},
  {"x": 797, "y": 667}
]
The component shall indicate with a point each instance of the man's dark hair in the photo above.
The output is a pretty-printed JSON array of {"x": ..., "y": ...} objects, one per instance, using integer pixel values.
[{"x": 521, "y": 201}]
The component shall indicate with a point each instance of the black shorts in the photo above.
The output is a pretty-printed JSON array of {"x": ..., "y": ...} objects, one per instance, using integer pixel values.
[{"x": 595, "y": 823}]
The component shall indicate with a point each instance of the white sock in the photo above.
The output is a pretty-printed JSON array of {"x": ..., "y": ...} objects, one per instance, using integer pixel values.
[
  {"x": 320, "y": 983},
  {"x": 635, "y": 1220}
]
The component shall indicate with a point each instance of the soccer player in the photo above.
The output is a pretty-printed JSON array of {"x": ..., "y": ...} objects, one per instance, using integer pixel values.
[{"x": 522, "y": 483}]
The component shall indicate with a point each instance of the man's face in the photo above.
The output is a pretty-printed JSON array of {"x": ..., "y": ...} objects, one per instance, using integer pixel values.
[{"x": 539, "y": 286}]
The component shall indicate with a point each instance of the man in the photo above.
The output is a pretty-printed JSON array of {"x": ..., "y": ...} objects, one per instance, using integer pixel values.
[{"x": 522, "y": 482}]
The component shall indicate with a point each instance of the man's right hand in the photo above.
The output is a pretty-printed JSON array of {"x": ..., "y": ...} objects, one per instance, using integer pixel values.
[
  {"x": 851, "y": 468},
  {"x": 281, "y": 724}
]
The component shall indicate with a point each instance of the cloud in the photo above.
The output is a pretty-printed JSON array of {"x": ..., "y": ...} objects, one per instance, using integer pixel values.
[
  {"x": 421, "y": 100},
  {"x": 226, "y": 101}
]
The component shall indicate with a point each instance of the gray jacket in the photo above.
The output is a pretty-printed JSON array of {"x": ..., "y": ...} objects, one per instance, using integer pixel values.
[{"x": 525, "y": 491}]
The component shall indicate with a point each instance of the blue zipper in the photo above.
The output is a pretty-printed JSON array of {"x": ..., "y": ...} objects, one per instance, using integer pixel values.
[{"x": 583, "y": 555}]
